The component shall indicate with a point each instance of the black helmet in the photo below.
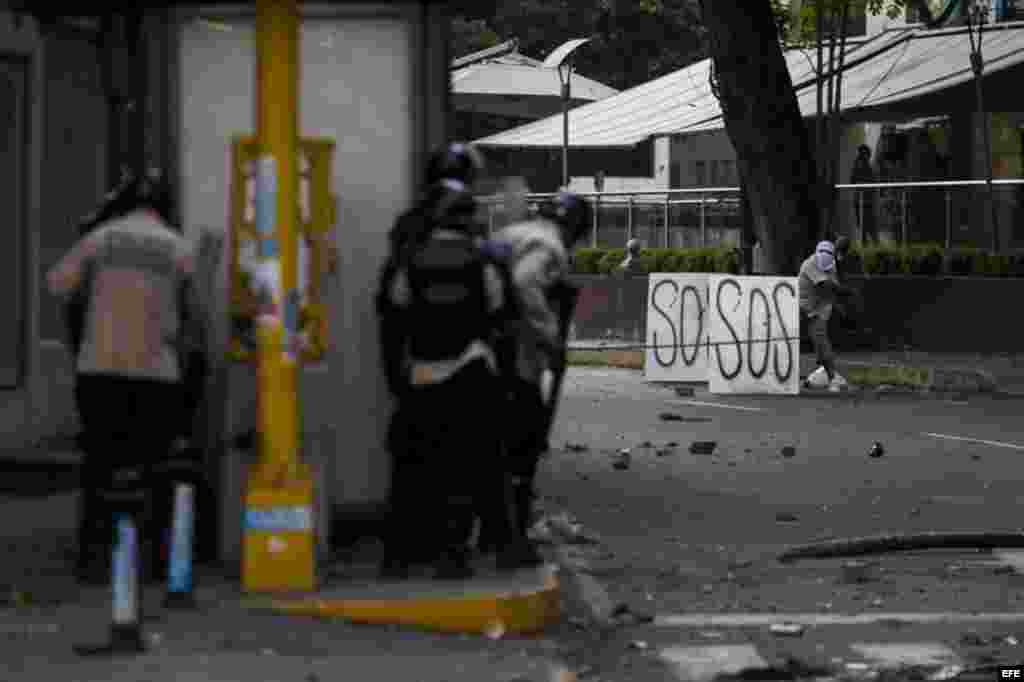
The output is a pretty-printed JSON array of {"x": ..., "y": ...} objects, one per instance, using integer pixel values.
[
  {"x": 572, "y": 213},
  {"x": 457, "y": 161}
]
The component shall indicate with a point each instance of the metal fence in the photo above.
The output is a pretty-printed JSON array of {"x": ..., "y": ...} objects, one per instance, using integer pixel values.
[{"x": 952, "y": 213}]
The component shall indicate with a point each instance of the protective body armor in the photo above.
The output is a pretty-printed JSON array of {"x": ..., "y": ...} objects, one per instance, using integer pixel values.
[{"x": 449, "y": 307}]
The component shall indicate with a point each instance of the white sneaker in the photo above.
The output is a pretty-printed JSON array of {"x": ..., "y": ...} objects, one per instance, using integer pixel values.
[
  {"x": 817, "y": 379},
  {"x": 837, "y": 384}
]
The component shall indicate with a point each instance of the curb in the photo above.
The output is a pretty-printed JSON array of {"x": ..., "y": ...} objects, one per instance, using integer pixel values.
[
  {"x": 929, "y": 379},
  {"x": 491, "y": 612}
]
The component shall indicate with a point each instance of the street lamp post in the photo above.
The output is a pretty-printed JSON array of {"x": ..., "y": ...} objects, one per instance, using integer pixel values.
[
  {"x": 561, "y": 60},
  {"x": 976, "y": 16}
]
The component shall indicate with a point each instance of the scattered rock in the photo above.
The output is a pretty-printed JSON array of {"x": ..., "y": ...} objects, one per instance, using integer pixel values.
[
  {"x": 877, "y": 450},
  {"x": 670, "y": 417},
  {"x": 788, "y": 629},
  {"x": 703, "y": 447},
  {"x": 710, "y": 634},
  {"x": 789, "y": 451},
  {"x": 974, "y": 639}
]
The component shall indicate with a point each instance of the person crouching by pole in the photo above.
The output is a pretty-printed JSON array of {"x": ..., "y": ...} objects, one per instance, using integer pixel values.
[{"x": 536, "y": 253}]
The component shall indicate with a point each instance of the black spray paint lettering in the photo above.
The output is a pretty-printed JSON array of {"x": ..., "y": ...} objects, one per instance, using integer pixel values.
[
  {"x": 785, "y": 333},
  {"x": 780, "y": 376},
  {"x": 758, "y": 373},
  {"x": 718, "y": 347},
  {"x": 668, "y": 320},
  {"x": 688, "y": 289}
]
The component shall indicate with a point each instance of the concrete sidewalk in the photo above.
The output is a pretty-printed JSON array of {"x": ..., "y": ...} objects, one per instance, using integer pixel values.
[
  {"x": 44, "y": 613},
  {"x": 968, "y": 373}
]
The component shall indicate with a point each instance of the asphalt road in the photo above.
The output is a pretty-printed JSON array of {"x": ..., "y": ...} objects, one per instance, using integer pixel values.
[{"x": 685, "y": 534}]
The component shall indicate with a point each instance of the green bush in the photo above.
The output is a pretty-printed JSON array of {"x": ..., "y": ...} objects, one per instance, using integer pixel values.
[
  {"x": 923, "y": 259},
  {"x": 612, "y": 259},
  {"x": 586, "y": 261}
]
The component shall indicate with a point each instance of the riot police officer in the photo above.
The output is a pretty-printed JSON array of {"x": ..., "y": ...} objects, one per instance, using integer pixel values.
[
  {"x": 437, "y": 303},
  {"x": 536, "y": 253}
]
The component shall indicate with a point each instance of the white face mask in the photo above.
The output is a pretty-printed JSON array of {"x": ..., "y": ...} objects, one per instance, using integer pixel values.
[{"x": 823, "y": 257}]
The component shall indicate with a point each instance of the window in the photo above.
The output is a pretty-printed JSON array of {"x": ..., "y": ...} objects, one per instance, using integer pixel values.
[
  {"x": 675, "y": 177},
  {"x": 700, "y": 176},
  {"x": 715, "y": 179},
  {"x": 728, "y": 173}
]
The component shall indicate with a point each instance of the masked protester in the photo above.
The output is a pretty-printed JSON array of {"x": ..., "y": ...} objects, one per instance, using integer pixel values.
[
  {"x": 536, "y": 254},
  {"x": 134, "y": 276},
  {"x": 438, "y": 300},
  {"x": 819, "y": 290}
]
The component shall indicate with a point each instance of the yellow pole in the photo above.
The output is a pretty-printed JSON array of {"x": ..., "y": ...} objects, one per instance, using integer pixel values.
[{"x": 279, "y": 545}]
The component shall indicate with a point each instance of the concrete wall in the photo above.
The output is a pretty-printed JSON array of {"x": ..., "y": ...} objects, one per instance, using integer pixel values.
[
  {"x": 930, "y": 314},
  {"x": 23, "y": 403}
]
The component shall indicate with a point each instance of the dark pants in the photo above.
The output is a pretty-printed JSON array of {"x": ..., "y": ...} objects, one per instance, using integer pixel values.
[
  {"x": 527, "y": 442},
  {"x": 128, "y": 425},
  {"x": 447, "y": 452}
]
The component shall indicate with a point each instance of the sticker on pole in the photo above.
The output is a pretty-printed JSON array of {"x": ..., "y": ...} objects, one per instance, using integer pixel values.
[
  {"x": 279, "y": 519},
  {"x": 266, "y": 205}
]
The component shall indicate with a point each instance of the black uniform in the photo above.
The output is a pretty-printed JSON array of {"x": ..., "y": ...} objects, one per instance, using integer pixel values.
[{"x": 438, "y": 300}]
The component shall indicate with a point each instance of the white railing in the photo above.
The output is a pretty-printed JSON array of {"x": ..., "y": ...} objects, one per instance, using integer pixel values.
[{"x": 894, "y": 212}]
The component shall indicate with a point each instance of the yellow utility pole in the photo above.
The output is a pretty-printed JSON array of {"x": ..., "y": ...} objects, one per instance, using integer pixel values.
[{"x": 279, "y": 538}]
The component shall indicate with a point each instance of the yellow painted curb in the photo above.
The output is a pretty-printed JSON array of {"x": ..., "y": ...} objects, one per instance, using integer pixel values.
[{"x": 492, "y": 614}]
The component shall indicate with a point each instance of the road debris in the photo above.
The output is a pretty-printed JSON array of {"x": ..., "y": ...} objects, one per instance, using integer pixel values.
[
  {"x": 685, "y": 391},
  {"x": 622, "y": 460},
  {"x": 856, "y": 572},
  {"x": 577, "y": 447},
  {"x": 787, "y": 629},
  {"x": 672, "y": 444},
  {"x": 876, "y": 451},
  {"x": 883, "y": 544},
  {"x": 664, "y": 452},
  {"x": 646, "y": 444},
  {"x": 789, "y": 451},
  {"x": 1011, "y": 640},
  {"x": 670, "y": 417},
  {"x": 703, "y": 447},
  {"x": 786, "y": 517},
  {"x": 638, "y": 644}
]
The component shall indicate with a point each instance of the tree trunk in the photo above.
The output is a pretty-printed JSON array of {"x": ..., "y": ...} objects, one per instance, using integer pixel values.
[{"x": 762, "y": 119}]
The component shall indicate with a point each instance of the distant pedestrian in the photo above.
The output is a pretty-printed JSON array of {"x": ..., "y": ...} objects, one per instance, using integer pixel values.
[
  {"x": 819, "y": 288},
  {"x": 864, "y": 200},
  {"x": 631, "y": 265}
]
